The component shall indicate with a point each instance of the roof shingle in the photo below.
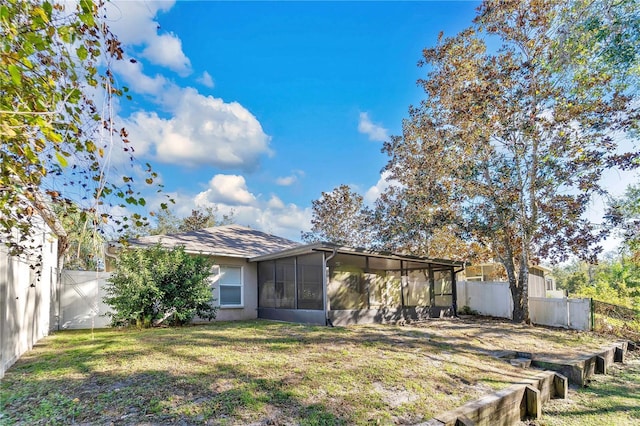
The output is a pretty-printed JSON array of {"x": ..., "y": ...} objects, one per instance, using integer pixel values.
[{"x": 228, "y": 240}]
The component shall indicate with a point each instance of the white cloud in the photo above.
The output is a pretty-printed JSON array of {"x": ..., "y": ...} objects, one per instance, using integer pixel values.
[
  {"x": 374, "y": 131},
  {"x": 206, "y": 80},
  {"x": 275, "y": 203},
  {"x": 291, "y": 179},
  {"x": 134, "y": 24},
  {"x": 137, "y": 81},
  {"x": 227, "y": 189},
  {"x": 202, "y": 131},
  {"x": 373, "y": 193},
  {"x": 229, "y": 193},
  {"x": 192, "y": 129},
  {"x": 166, "y": 50}
]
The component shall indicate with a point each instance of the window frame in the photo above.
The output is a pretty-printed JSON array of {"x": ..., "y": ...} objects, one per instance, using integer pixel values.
[{"x": 218, "y": 276}]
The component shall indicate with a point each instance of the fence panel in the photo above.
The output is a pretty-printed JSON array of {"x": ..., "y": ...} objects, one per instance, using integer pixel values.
[
  {"x": 551, "y": 312},
  {"x": 26, "y": 284},
  {"x": 567, "y": 313},
  {"x": 81, "y": 300},
  {"x": 580, "y": 314},
  {"x": 488, "y": 298}
]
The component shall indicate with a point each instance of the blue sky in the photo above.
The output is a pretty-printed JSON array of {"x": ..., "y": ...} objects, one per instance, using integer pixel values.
[{"x": 258, "y": 107}]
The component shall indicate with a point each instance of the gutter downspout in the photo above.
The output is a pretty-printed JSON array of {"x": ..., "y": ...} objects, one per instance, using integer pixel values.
[{"x": 325, "y": 285}]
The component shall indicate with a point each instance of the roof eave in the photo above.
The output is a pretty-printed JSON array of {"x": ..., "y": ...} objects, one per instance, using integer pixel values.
[{"x": 310, "y": 248}]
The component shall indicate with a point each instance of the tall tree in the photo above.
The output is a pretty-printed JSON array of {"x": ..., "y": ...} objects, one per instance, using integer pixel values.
[
  {"x": 168, "y": 222},
  {"x": 57, "y": 141},
  {"x": 599, "y": 37},
  {"x": 340, "y": 217},
  {"x": 509, "y": 148},
  {"x": 624, "y": 213},
  {"x": 200, "y": 219}
]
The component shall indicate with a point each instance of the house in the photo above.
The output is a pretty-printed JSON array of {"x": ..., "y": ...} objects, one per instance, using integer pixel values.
[
  {"x": 541, "y": 281},
  {"x": 258, "y": 275}
]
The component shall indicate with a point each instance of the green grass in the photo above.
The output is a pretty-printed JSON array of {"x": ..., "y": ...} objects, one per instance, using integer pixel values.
[{"x": 269, "y": 372}]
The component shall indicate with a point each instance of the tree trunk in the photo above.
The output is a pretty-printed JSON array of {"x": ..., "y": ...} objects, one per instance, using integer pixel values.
[{"x": 518, "y": 284}]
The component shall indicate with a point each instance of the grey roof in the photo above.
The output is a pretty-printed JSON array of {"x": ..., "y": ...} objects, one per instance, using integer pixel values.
[
  {"x": 329, "y": 247},
  {"x": 228, "y": 240}
]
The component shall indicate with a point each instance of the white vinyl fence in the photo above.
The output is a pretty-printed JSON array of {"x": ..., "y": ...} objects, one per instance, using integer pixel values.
[
  {"x": 570, "y": 313},
  {"x": 494, "y": 299},
  {"x": 488, "y": 298},
  {"x": 27, "y": 298},
  {"x": 81, "y": 302}
]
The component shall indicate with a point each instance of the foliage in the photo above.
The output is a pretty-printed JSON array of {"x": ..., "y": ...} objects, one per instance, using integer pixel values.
[
  {"x": 403, "y": 223},
  {"x": 57, "y": 139},
  {"x": 152, "y": 284},
  {"x": 615, "y": 279},
  {"x": 624, "y": 213},
  {"x": 504, "y": 150},
  {"x": 599, "y": 37},
  {"x": 340, "y": 217},
  {"x": 85, "y": 245},
  {"x": 168, "y": 222},
  {"x": 466, "y": 310}
]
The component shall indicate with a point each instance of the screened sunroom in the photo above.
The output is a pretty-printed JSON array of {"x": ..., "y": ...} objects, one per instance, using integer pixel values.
[{"x": 327, "y": 284}]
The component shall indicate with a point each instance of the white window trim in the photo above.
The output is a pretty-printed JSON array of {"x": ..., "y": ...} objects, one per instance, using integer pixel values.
[{"x": 217, "y": 283}]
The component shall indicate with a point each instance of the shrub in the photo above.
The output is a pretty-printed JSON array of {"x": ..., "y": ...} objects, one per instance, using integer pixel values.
[
  {"x": 466, "y": 310},
  {"x": 155, "y": 284}
]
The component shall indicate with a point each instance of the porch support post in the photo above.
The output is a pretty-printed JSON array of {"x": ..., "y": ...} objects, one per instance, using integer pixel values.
[
  {"x": 295, "y": 282},
  {"x": 454, "y": 293},
  {"x": 402, "y": 286}
]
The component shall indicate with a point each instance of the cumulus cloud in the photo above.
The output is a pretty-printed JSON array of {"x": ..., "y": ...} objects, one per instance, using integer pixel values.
[
  {"x": 134, "y": 23},
  {"x": 206, "y": 80},
  {"x": 374, "y": 131},
  {"x": 229, "y": 193},
  {"x": 202, "y": 130},
  {"x": 291, "y": 179},
  {"x": 227, "y": 189},
  {"x": 189, "y": 129},
  {"x": 373, "y": 193},
  {"x": 136, "y": 80},
  {"x": 275, "y": 203}
]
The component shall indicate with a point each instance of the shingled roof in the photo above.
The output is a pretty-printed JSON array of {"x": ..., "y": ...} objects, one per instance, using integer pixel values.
[{"x": 228, "y": 240}]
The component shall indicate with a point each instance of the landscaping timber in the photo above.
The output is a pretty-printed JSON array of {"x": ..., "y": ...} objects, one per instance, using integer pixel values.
[{"x": 507, "y": 406}]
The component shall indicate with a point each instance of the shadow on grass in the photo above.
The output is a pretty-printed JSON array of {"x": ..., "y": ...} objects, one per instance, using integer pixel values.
[
  {"x": 205, "y": 385},
  {"x": 157, "y": 397}
]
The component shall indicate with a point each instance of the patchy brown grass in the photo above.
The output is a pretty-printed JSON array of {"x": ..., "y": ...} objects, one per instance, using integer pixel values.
[{"x": 262, "y": 372}]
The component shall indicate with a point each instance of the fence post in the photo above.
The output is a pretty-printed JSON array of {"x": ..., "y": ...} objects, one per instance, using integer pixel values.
[{"x": 593, "y": 315}]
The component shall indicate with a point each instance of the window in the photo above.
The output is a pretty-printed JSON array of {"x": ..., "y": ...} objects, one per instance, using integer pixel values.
[
  {"x": 229, "y": 281},
  {"x": 310, "y": 282}
]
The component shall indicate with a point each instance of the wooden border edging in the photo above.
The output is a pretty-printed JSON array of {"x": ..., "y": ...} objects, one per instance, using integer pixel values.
[
  {"x": 507, "y": 406},
  {"x": 525, "y": 399},
  {"x": 580, "y": 370}
]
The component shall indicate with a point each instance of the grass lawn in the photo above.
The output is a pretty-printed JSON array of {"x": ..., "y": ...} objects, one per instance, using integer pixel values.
[{"x": 262, "y": 372}]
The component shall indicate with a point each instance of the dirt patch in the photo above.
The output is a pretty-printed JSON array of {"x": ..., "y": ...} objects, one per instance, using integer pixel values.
[{"x": 488, "y": 335}]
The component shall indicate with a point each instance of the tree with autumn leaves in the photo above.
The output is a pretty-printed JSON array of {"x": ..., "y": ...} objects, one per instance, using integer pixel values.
[
  {"x": 508, "y": 148},
  {"x": 60, "y": 138}
]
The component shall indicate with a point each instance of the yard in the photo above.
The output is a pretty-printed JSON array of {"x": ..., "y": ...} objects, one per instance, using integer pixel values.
[{"x": 262, "y": 372}]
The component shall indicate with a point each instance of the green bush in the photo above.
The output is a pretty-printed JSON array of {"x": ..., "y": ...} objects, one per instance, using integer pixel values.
[
  {"x": 466, "y": 310},
  {"x": 155, "y": 284}
]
